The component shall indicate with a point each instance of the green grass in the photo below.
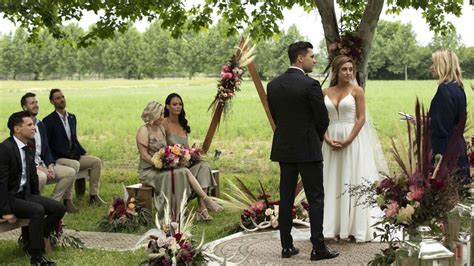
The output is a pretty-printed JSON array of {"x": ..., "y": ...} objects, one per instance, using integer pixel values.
[{"x": 108, "y": 115}]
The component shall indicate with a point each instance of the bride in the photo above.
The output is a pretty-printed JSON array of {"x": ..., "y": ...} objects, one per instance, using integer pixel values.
[{"x": 348, "y": 153}]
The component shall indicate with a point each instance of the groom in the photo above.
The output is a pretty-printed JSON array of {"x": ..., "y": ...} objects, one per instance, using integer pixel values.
[{"x": 297, "y": 106}]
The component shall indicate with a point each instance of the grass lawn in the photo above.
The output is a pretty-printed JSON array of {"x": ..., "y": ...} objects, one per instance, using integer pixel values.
[{"x": 108, "y": 114}]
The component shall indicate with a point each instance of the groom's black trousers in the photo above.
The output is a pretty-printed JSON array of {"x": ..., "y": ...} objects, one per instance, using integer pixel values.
[{"x": 312, "y": 176}]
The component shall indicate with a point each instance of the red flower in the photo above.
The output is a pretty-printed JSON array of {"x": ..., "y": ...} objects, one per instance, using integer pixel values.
[{"x": 437, "y": 183}]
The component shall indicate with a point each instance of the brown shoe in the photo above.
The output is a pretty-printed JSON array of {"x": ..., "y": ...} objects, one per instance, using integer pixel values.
[
  {"x": 70, "y": 207},
  {"x": 95, "y": 199}
]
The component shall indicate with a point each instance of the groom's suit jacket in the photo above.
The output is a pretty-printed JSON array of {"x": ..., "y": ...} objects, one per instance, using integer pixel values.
[
  {"x": 60, "y": 145},
  {"x": 10, "y": 174},
  {"x": 297, "y": 106}
]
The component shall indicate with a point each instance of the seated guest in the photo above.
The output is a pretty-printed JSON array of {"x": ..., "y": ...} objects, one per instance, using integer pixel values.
[
  {"x": 19, "y": 192},
  {"x": 46, "y": 169},
  {"x": 170, "y": 186},
  {"x": 177, "y": 130},
  {"x": 64, "y": 145}
]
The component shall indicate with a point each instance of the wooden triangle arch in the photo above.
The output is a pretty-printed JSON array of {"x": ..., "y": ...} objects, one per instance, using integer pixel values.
[{"x": 216, "y": 118}]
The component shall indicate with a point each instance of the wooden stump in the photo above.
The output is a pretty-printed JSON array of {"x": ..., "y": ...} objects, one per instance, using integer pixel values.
[{"x": 142, "y": 194}]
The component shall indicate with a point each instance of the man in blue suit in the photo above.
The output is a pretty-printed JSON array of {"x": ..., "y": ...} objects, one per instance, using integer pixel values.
[
  {"x": 65, "y": 147},
  {"x": 46, "y": 168}
]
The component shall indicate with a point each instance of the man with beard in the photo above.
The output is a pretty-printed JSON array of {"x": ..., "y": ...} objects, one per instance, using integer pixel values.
[
  {"x": 65, "y": 147},
  {"x": 19, "y": 192},
  {"x": 46, "y": 169}
]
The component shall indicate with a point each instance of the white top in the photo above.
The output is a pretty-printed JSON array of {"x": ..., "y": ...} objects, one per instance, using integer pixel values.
[
  {"x": 64, "y": 119},
  {"x": 20, "y": 146},
  {"x": 38, "y": 160}
]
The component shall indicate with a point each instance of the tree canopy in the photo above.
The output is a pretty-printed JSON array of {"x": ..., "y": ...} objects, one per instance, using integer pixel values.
[{"x": 260, "y": 17}]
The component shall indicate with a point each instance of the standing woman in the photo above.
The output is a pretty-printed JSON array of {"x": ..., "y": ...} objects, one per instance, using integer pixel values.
[
  {"x": 171, "y": 186},
  {"x": 348, "y": 155},
  {"x": 448, "y": 106},
  {"x": 177, "y": 130}
]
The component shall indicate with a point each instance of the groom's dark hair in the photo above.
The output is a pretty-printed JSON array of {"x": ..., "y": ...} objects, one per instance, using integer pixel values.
[{"x": 298, "y": 48}]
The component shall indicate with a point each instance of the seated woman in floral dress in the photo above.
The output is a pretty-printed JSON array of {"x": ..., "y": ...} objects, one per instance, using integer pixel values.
[
  {"x": 177, "y": 130},
  {"x": 171, "y": 186}
]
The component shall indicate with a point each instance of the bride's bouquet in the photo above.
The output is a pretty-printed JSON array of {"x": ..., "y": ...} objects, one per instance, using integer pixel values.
[{"x": 171, "y": 156}]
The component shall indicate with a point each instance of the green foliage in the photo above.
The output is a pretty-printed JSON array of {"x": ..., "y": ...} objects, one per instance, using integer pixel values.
[{"x": 179, "y": 16}]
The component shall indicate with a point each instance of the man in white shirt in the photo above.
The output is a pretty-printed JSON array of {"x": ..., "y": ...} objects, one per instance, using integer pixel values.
[
  {"x": 65, "y": 147},
  {"x": 19, "y": 192},
  {"x": 48, "y": 171}
]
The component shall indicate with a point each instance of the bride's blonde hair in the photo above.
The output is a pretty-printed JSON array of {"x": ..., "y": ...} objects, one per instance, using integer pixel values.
[
  {"x": 152, "y": 112},
  {"x": 336, "y": 64},
  {"x": 446, "y": 66}
]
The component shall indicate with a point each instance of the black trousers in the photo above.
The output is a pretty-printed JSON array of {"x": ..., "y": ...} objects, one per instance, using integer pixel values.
[
  {"x": 44, "y": 214},
  {"x": 312, "y": 177}
]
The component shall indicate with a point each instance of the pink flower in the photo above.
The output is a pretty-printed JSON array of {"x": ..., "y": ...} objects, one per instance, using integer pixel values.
[
  {"x": 416, "y": 193},
  {"x": 226, "y": 75},
  {"x": 392, "y": 209},
  {"x": 226, "y": 68}
]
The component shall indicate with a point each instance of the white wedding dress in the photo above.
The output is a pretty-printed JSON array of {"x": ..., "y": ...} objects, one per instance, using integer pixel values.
[{"x": 350, "y": 165}]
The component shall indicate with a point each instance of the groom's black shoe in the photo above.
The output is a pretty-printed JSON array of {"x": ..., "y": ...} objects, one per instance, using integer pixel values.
[
  {"x": 288, "y": 252},
  {"x": 323, "y": 254}
]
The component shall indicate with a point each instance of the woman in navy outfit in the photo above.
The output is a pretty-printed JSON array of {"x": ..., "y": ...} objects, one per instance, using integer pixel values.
[{"x": 448, "y": 106}]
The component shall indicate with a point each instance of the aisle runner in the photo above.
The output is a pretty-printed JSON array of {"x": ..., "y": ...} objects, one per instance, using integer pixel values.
[{"x": 264, "y": 249}]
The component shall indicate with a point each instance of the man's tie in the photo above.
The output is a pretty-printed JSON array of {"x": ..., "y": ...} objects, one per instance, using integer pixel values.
[{"x": 27, "y": 167}]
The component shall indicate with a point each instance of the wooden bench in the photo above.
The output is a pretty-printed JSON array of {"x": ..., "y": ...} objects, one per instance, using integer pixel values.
[
  {"x": 144, "y": 194},
  {"x": 80, "y": 185},
  {"x": 6, "y": 226}
]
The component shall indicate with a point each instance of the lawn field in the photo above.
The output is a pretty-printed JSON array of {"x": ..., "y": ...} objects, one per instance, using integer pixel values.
[{"x": 108, "y": 113}]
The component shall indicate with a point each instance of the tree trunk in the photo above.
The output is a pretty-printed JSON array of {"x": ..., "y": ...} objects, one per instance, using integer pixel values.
[
  {"x": 406, "y": 72},
  {"x": 366, "y": 31},
  {"x": 329, "y": 20}
]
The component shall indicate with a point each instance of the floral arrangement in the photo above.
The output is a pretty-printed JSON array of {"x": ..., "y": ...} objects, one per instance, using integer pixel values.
[
  {"x": 173, "y": 156},
  {"x": 348, "y": 44},
  {"x": 125, "y": 216},
  {"x": 171, "y": 243},
  {"x": 261, "y": 212},
  {"x": 231, "y": 76},
  {"x": 56, "y": 238},
  {"x": 421, "y": 194}
]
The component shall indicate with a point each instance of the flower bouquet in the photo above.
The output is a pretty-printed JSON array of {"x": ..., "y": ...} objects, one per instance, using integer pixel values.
[
  {"x": 171, "y": 243},
  {"x": 195, "y": 155},
  {"x": 422, "y": 193},
  {"x": 125, "y": 216},
  {"x": 171, "y": 156},
  {"x": 261, "y": 212}
]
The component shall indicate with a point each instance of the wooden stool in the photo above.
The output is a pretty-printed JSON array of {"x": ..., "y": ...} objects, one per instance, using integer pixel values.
[
  {"x": 142, "y": 194},
  {"x": 216, "y": 192}
]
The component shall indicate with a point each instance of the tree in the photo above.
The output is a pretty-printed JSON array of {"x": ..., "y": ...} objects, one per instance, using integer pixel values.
[
  {"x": 394, "y": 51},
  {"x": 360, "y": 17}
]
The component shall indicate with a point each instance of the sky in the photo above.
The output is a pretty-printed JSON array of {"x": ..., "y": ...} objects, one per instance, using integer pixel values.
[{"x": 309, "y": 24}]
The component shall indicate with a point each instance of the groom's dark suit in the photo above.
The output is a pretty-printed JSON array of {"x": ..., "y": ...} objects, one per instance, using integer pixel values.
[
  {"x": 27, "y": 203},
  {"x": 297, "y": 106}
]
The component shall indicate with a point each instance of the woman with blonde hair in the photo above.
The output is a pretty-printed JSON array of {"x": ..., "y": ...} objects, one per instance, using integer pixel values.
[
  {"x": 448, "y": 107},
  {"x": 171, "y": 186},
  {"x": 349, "y": 155}
]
